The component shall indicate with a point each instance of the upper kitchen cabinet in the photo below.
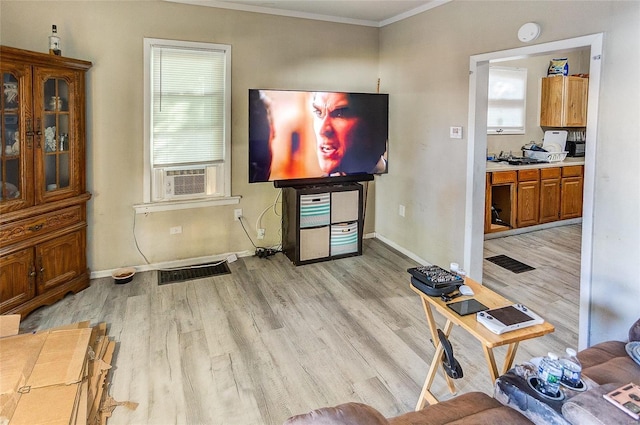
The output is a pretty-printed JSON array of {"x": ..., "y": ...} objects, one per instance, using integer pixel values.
[
  {"x": 42, "y": 179},
  {"x": 563, "y": 102}
]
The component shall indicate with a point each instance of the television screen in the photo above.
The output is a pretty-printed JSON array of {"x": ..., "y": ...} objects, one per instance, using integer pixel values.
[{"x": 298, "y": 135}]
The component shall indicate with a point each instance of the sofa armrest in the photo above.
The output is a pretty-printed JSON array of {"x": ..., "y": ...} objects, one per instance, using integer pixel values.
[{"x": 343, "y": 414}]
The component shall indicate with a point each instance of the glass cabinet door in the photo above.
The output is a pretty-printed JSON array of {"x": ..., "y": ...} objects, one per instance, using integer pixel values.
[
  {"x": 55, "y": 168},
  {"x": 16, "y": 126},
  {"x": 56, "y": 134}
]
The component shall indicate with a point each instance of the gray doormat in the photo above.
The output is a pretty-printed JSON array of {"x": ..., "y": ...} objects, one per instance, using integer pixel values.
[
  {"x": 510, "y": 264},
  {"x": 192, "y": 272}
]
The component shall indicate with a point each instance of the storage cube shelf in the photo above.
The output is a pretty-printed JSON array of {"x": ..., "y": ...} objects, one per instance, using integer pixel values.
[{"x": 322, "y": 222}]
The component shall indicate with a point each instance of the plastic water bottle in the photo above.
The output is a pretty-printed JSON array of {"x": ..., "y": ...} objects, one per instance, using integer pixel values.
[
  {"x": 549, "y": 374},
  {"x": 571, "y": 368}
]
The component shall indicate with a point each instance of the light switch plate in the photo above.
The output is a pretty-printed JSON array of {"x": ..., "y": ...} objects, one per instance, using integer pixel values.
[{"x": 455, "y": 132}]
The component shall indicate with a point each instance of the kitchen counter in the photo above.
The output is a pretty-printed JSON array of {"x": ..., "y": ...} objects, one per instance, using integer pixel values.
[{"x": 505, "y": 166}]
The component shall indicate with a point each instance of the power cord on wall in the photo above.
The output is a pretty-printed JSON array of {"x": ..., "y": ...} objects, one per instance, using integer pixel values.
[
  {"x": 261, "y": 252},
  {"x": 135, "y": 238}
]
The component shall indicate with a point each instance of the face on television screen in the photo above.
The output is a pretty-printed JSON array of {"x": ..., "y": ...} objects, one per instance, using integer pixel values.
[{"x": 304, "y": 134}]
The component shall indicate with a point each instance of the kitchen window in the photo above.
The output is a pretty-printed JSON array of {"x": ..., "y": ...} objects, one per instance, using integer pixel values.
[
  {"x": 187, "y": 121},
  {"x": 506, "y": 111}
]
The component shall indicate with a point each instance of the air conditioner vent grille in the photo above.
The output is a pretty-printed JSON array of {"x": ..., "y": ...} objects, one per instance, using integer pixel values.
[{"x": 189, "y": 184}]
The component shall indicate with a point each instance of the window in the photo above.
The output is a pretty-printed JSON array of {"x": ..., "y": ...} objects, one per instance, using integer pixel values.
[
  {"x": 187, "y": 120},
  {"x": 506, "y": 111}
]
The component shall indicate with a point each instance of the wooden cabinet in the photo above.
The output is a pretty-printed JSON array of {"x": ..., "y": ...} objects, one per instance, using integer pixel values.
[
  {"x": 14, "y": 288},
  {"x": 322, "y": 222},
  {"x": 549, "y": 195},
  {"x": 563, "y": 101},
  {"x": 571, "y": 192},
  {"x": 42, "y": 179},
  {"x": 501, "y": 201},
  {"x": 528, "y": 197}
]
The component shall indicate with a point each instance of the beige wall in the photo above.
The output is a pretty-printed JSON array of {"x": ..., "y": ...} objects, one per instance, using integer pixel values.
[
  {"x": 425, "y": 67},
  {"x": 267, "y": 52},
  {"x": 423, "y": 64}
]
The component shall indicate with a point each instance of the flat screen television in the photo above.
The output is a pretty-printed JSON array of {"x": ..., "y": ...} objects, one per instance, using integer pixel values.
[{"x": 307, "y": 137}]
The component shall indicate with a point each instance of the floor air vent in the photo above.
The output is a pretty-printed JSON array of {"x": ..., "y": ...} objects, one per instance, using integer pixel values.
[
  {"x": 510, "y": 264},
  {"x": 192, "y": 272}
]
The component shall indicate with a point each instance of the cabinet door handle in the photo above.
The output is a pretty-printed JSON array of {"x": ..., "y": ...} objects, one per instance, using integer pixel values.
[
  {"x": 29, "y": 133},
  {"x": 38, "y": 132},
  {"x": 33, "y": 272},
  {"x": 36, "y": 227}
]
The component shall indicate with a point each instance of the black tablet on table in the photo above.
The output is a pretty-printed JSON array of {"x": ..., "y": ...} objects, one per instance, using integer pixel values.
[{"x": 469, "y": 306}]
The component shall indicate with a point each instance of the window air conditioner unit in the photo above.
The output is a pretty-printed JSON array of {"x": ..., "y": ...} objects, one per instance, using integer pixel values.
[{"x": 176, "y": 183}]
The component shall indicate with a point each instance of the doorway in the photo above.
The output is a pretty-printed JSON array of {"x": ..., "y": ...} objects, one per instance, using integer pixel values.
[{"x": 476, "y": 160}]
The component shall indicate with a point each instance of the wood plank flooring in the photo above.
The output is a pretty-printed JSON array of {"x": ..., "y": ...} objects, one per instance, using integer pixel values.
[{"x": 271, "y": 340}]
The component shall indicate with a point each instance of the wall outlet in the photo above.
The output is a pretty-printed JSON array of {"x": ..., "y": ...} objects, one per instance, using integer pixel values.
[
  {"x": 175, "y": 230},
  {"x": 237, "y": 213},
  {"x": 260, "y": 233},
  {"x": 401, "y": 210}
]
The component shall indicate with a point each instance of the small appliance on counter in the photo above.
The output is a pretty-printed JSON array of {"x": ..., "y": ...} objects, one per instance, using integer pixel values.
[
  {"x": 575, "y": 143},
  {"x": 575, "y": 148}
]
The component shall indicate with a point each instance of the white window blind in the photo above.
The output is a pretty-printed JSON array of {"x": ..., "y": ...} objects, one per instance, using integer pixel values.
[
  {"x": 506, "y": 111},
  {"x": 188, "y": 105}
]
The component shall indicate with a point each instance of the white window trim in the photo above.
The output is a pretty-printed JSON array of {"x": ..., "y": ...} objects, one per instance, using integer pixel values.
[
  {"x": 500, "y": 131},
  {"x": 152, "y": 206}
]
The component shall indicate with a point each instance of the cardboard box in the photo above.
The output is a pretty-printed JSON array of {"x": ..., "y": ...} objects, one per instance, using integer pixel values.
[
  {"x": 55, "y": 376},
  {"x": 42, "y": 375}
]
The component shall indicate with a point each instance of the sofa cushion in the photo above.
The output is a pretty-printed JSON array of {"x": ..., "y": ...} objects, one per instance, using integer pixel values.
[
  {"x": 601, "y": 353},
  {"x": 590, "y": 408},
  {"x": 343, "y": 414},
  {"x": 467, "y": 409},
  {"x": 619, "y": 369}
]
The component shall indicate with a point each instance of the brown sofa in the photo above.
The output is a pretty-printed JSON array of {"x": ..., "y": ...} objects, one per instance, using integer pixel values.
[{"x": 604, "y": 363}]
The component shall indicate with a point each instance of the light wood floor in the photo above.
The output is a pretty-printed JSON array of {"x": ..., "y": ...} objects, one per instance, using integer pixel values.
[{"x": 271, "y": 340}]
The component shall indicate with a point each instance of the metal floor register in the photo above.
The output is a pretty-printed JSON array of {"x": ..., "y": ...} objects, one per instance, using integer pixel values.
[{"x": 192, "y": 272}]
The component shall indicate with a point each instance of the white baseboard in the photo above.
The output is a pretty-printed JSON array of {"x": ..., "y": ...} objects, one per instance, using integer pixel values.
[
  {"x": 177, "y": 263},
  {"x": 409, "y": 254}
]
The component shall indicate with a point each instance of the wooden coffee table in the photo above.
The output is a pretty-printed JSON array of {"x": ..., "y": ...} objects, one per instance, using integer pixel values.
[{"x": 487, "y": 339}]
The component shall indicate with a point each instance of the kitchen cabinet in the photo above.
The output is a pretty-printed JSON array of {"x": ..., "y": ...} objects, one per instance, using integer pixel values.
[
  {"x": 42, "y": 179},
  {"x": 571, "y": 192},
  {"x": 500, "y": 201},
  {"x": 528, "y": 197},
  {"x": 549, "y": 194},
  {"x": 563, "y": 101},
  {"x": 322, "y": 222}
]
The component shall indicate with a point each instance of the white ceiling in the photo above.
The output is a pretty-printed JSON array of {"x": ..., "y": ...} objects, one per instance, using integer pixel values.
[{"x": 360, "y": 12}]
